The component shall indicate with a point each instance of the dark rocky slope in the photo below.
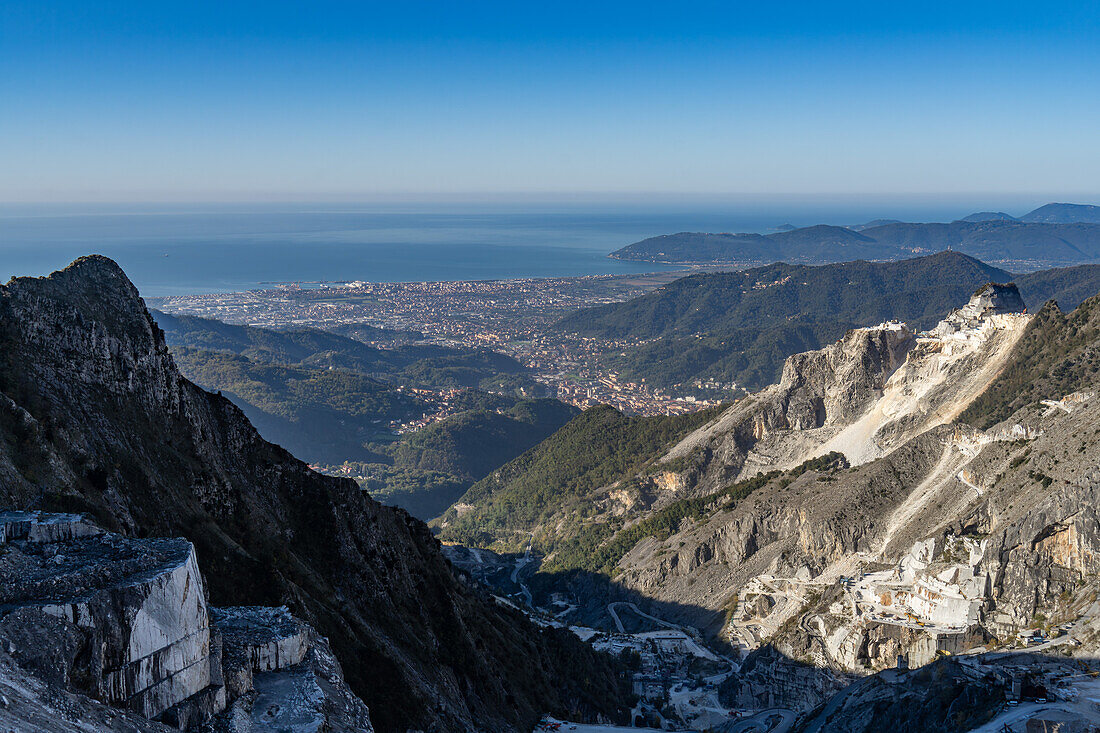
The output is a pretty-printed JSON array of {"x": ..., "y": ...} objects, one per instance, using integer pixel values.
[{"x": 94, "y": 416}]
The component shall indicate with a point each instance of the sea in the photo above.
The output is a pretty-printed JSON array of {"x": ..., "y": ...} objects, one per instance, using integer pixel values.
[{"x": 192, "y": 249}]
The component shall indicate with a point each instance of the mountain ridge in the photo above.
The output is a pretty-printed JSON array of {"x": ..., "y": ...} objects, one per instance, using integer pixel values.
[
  {"x": 1063, "y": 213},
  {"x": 739, "y": 327}
]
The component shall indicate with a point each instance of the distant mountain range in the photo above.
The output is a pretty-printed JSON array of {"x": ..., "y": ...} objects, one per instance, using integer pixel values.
[
  {"x": 1048, "y": 214},
  {"x": 1064, "y": 214},
  {"x": 1054, "y": 234},
  {"x": 989, "y": 216}
]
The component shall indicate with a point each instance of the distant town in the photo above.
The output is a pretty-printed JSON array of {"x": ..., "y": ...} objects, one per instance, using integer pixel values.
[{"x": 513, "y": 317}]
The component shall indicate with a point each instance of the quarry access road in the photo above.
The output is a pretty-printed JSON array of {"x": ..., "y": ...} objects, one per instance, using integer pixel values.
[
  {"x": 643, "y": 614},
  {"x": 520, "y": 564},
  {"x": 758, "y": 723}
]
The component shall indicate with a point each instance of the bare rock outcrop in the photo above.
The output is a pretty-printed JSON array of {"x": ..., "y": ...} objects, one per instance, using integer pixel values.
[
  {"x": 91, "y": 619},
  {"x": 863, "y": 396},
  {"x": 137, "y": 607}
]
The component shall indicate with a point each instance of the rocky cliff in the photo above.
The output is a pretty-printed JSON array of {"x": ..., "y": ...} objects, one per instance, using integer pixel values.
[
  {"x": 864, "y": 395},
  {"x": 909, "y": 535},
  {"x": 868, "y": 394},
  {"x": 94, "y": 417}
]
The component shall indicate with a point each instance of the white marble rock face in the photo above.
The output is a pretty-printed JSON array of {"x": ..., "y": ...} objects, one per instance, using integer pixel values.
[
  {"x": 142, "y": 603},
  {"x": 158, "y": 649}
]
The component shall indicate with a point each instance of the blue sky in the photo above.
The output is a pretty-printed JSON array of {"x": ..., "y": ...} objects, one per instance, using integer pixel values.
[{"x": 120, "y": 101}]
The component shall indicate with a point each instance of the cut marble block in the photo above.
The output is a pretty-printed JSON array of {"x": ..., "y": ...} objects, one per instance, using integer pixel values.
[
  {"x": 140, "y": 603},
  {"x": 268, "y": 637}
]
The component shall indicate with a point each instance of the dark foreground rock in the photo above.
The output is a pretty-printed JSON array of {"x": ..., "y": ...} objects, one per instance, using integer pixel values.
[
  {"x": 95, "y": 417},
  {"x": 91, "y": 620}
]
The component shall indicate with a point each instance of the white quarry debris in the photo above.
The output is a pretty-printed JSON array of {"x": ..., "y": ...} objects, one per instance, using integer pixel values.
[
  {"x": 39, "y": 527},
  {"x": 948, "y": 367},
  {"x": 140, "y": 606},
  {"x": 1014, "y": 432},
  {"x": 948, "y": 595},
  {"x": 927, "y": 604},
  {"x": 865, "y": 396},
  {"x": 1068, "y": 403}
]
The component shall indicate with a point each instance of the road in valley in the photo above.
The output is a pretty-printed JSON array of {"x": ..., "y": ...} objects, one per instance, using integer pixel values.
[
  {"x": 635, "y": 609},
  {"x": 776, "y": 720},
  {"x": 521, "y": 563}
]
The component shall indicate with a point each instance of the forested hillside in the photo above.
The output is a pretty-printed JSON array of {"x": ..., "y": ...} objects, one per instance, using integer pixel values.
[
  {"x": 320, "y": 415},
  {"x": 414, "y": 364},
  {"x": 740, "y": 326},
  {"x": 919, "y": 290},
  {"x": 554, "y": 486},
  {"x": 331, "y": 400},
  {"x": 1070, "y": 286},
  {"x": 433, "y": 467}
]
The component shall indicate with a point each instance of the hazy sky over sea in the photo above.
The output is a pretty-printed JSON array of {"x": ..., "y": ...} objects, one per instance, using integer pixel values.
[{"x": 147, "y": 101}]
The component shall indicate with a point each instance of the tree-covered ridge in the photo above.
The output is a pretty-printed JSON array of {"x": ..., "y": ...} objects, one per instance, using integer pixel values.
[
  {"x": 751, "y": 357},
  {"x": 740, "y": 327},
  {"x": 1062, "y": 213},
  {"x": 1070, "y": 286},
  {"x": 337, "y": 417},
  {"x": 436, "y": 465},
  {"x": 331, "y": 400},
  {"x": 474, "y": 443},
  {"x": 919, "y": 291},
  {"x": 322, "y": 415},
  {"x": 558, "y": 477},
  {"x": 287, "y": 391}
]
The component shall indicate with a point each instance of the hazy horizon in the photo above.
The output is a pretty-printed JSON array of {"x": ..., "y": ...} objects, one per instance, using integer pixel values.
[
  {"x": 874, "y": 205},
  {"x": 122, "y": 101}
]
